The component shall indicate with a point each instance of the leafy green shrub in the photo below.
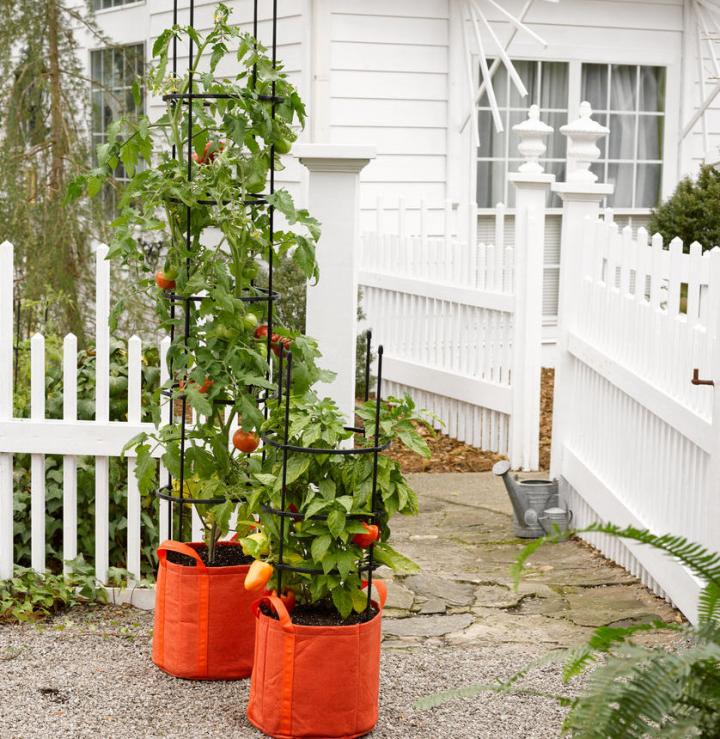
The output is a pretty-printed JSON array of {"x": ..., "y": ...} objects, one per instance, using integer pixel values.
[
  {"x": 636, "y": 691},
  {"x": 691, "y": 212},
  {"x": 30, "y": 596}
]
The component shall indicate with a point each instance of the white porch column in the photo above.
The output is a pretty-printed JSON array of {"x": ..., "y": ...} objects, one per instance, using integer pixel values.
[
  {"x": 581, "y": 196},
  {"x": 334, "y": 199},
  {"x": 531, "y": 188}
]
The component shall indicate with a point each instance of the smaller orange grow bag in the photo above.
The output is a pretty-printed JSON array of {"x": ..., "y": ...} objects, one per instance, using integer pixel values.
[
  {"x": 204, "y": 624},
  {"x": 315, "y": 681}
]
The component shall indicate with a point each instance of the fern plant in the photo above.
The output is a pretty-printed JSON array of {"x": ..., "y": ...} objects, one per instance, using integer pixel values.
[{"x": 636, "y": 691}]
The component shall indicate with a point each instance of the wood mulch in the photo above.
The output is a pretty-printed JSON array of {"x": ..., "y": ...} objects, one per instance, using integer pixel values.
[{"x": 450, "y": 455}]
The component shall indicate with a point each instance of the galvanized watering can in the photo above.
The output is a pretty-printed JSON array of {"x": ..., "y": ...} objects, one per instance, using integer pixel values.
[
  {"x": 555, "y": 520},
  {"x": 535, "y": 504}
]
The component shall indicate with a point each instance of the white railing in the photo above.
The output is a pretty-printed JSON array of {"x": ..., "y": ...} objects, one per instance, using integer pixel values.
[
  {"x": 443, "y": 309},
  {"x": 69, "y": 437},
  {"x": 641, "y": 445}
]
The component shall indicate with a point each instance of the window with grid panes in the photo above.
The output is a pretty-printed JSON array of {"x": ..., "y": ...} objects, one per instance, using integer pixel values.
[
  {"x": 113, "y": 72},
  {"x": 547, "y": 84},
  {"x": 105, "y": 4},
  {"x": 628, "y": 99}
]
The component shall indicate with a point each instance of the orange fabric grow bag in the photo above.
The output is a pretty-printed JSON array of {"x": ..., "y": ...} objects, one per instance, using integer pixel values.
[
  {"x": 204, "y": 624},
  {"x": 315, "y": 681}
]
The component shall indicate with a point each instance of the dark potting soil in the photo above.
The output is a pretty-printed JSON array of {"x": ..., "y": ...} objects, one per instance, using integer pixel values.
[
  {"x": 225, "y": 556},
  {"x": 321, "y": 614}
]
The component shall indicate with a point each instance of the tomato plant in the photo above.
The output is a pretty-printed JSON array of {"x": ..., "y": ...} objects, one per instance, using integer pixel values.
[
  {"x": 332, "y": 495},
  {"x": 195, "y": 175}
]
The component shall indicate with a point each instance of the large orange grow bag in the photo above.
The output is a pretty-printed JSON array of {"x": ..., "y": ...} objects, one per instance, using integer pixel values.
[
  {"x": 315, "y": 681},
  {"x": 204, "y": 624}
]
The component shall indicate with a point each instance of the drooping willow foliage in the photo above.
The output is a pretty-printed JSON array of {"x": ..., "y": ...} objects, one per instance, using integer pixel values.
[{"x": 44, "y": 142}]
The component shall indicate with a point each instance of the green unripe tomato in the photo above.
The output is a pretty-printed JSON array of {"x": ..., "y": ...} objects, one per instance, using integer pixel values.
[
  {"x": 255, "y": 183},
  {"x": 282, "y": 145},
  {"x": 250, "y": 321},
  {"x": 223, "y": 332}
]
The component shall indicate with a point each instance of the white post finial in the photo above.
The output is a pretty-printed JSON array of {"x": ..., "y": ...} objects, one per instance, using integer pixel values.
[
  {"x": 582, "y": 149},
  {"x": 532, "y": 133}
]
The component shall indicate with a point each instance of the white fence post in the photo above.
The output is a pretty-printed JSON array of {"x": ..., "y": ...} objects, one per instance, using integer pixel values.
[
  {"x": 531, "y": 187},
  {"x": 6, "y": 407},
  {"x": 581, "y": 196},
  {"x": 334, "y": 199}
]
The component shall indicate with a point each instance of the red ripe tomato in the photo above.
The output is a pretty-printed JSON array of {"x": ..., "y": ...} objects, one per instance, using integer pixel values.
[
  {"x": 261, "y": 332},
  {"x": 208, "y": 157},
  {"x": 245, "y": 441},
  {"x": 163, "y": 281},
  {"x": 206, "y": 385},
  {"x": 371, "y": 535}
]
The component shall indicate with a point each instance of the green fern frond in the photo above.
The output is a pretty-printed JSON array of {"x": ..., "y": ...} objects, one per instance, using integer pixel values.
[
  {"x": 602, "y": 641},
  {"x": 709, "y": 603},
  {"x": 641, "y": 692}
]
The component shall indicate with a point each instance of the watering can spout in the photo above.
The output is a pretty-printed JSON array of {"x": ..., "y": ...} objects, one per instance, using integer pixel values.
[{"x": 517, "y": 498}]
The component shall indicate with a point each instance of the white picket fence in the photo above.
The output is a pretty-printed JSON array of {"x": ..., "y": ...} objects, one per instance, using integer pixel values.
[
  {"x": 443, "y": 309},
  {"x": 70, "y": 437},
  {"x": 637, "y": 442}
]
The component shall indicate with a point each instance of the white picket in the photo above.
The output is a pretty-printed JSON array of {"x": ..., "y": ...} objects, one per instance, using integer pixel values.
[
  {"x": 165, "y": 511},
  {"x": 6, "y": 407},
  {"x": 102, "y": 410},
  {"x": 69, "y": 461},
  {"x": 37, "y": 461},
  {"x": 134, "y": 536}
]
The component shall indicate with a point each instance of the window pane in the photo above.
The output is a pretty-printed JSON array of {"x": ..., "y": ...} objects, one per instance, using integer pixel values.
[
  {"x": 491, "y": 184},
  {"x": 652, "y": 89},
  {"x": 96, "y": 66},
  {"x": 594, "y": 85},
  {"x": 648, "y": 185},
  {"x": 623, "y": 80},
  {"x": 555, "y": 80},
  {"x": 622, "y": 137},
  {"x": 492, "y": 143},
  {"x": 499, "y": 86},
  {"x": 516, "y": 116},
  {"x": 650, "y": 136},
  {"x": 621, "y": 175},
  {"x": 528, "y": 72},
  {"x": 556, "y": 142}
]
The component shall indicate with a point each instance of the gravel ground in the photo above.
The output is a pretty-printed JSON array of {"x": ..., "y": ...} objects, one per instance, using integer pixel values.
[{"x": 88, "y": 674}]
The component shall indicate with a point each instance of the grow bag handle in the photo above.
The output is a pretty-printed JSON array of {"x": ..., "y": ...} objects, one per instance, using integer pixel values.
[
  {"x": 278, "y": 606},
  {"x": 180, "y": 548},
  {"x": 381, "y": 588}
]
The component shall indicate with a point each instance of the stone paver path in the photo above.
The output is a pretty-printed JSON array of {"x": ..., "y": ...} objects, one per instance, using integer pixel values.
[{"x": 463, "y": 540}]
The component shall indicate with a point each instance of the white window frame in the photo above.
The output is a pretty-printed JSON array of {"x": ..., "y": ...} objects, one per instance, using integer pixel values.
[
  {"x": 115, "y": 8},
  {"x": 143, "y": 45},
  {"x": 669, "y": 161},
  {"x": 576, "y": 58}
]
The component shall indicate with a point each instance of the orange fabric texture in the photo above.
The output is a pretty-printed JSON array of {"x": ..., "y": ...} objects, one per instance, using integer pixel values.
[
  {"x": 204, "y": 625},
  {"x": 315, "y": 682}
]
